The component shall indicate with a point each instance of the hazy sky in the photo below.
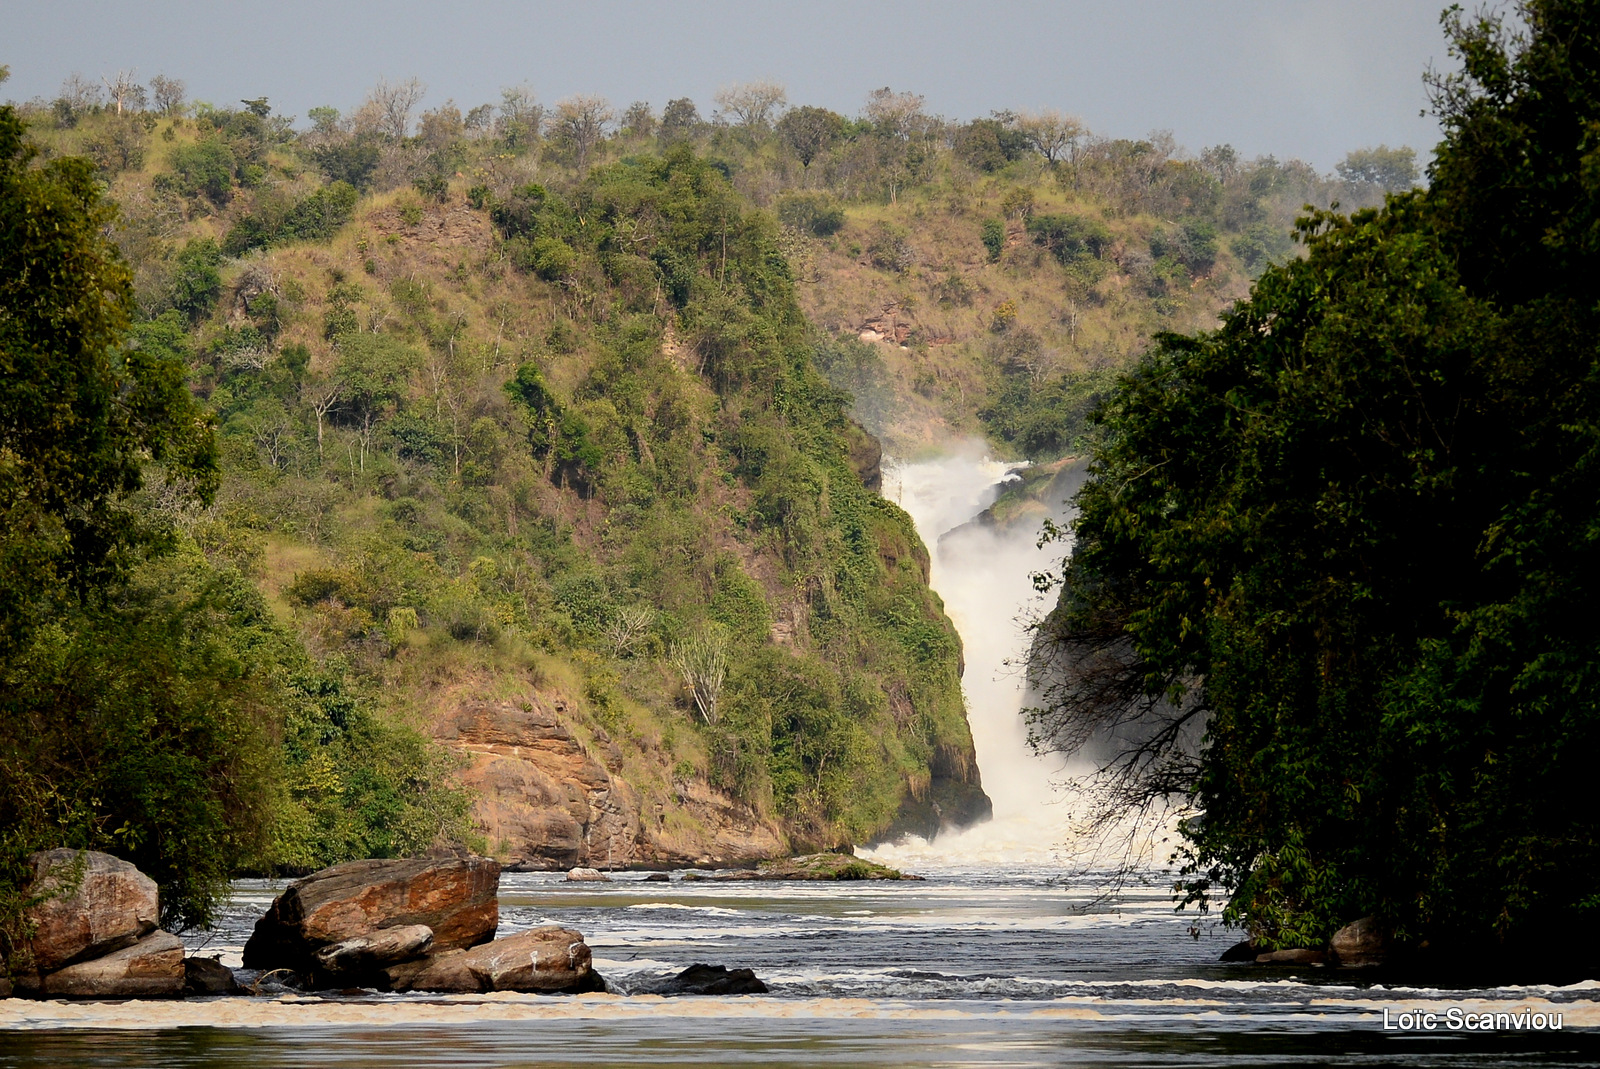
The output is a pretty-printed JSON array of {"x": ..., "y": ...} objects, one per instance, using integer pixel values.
[{"x": 1307, "y": 78}]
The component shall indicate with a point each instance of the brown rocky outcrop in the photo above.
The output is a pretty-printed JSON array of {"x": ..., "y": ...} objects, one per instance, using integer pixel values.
[
  {"x": 548, "y": 959},
  {"x": 453, "y": 895},
  {"x": 112, "y": 906},
  {"x": 152, "y": 967},
  {"x": 543, "y": 798},
  {"x": 547, "y": 800}
]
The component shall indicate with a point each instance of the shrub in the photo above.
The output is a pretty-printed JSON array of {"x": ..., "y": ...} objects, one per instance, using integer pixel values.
[
  {"x": 205, "y": 168},
  {"x": 811, "y": 213},
  {"x": 994, "y": 238},
  {"x": 1069, "y": 237}
]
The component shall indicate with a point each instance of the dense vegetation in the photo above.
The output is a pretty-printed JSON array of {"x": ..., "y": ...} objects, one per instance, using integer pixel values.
[{"x": 1350, "y": 534}]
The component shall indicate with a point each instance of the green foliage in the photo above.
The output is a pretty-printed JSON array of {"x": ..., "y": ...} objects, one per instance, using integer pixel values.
[
  {"x": 816, "y": 214},
  {"x": 1191, "y": 244},
  {"x": 1352, "y": 531},
  {"x": 1069, "y": 237},
  {"x": 994, "y": 238},
  {"x": 990, "y": 144},
  {"x": 351, "y": 162},
  {"x": 809, "y": 131},
  {"x": 316, "y": 217},
  {"x": 204, "y": 169},
  {"x": 195, "y": 283},
  {"x": 138, "y": 728},
  {"x": 150, "y": 704},
  {"x": 1394, "y": 170},
  {"x": 80, "y": 413}
]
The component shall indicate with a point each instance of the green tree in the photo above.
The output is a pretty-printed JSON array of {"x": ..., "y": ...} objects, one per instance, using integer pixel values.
[
  {"x": 810, "y": 131},
  {"x": 1394, "y": 170},
  {"x": 1350, "y": 534},
  {"x": 81, "y": 414}
]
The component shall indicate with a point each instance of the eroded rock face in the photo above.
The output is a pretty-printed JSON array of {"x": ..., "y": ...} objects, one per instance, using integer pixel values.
[
  {"x": 541, "y": 795},
  {"x": 547, "y": 800},
  {"x": 548, "y": 959},
  {"x": 113, "y": 906},
  {"x": 150, "y": 968},
  {"x": 452, "y": 895},
  {"x": 370, "y": 953}
]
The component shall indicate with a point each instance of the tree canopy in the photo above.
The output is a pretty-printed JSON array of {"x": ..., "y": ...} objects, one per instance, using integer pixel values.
[{"x": 1352, "y": 534}]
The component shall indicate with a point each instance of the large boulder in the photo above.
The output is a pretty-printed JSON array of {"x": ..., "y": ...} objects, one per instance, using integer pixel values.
[
  {"x": 150, "y": 968},
  {"x": 548, "y": 959},
  {"x": 452, "y": 894},
  {"x": 1361, "y": 944},
  {"x": 111, "y": 906}
]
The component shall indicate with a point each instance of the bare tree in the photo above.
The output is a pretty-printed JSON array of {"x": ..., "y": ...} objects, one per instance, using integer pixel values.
[
  {"x": 169, "y": 94},
  {"x": 322, "y": 396},
  {"x": 78, "y": 95},
  {"x": 580, "y": 123},
  {"x": 1052, "y": 134},
  {"x": 702, "y": 662},
  {"x": 751, "y": 104},
  {"x": 388, "y": 107},
  {"x": 125, "y": 93},
  {"x": 628, "y": 627},
  {"x": 893, "y": 113}
]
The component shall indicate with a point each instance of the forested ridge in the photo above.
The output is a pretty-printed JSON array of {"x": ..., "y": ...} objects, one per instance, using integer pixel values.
[{"x": 403, "y": 412}]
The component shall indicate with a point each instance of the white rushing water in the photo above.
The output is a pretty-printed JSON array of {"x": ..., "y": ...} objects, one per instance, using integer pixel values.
[{"x": 983, "y": 574}]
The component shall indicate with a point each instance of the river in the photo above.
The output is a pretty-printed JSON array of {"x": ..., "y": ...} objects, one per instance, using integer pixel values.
[{"x": 1010, "y": 953}]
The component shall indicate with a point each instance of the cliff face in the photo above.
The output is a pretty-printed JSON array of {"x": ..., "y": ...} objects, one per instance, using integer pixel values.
[{"x": 548, "y": 799}]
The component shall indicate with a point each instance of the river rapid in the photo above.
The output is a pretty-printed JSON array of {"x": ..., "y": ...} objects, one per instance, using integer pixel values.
[{"x": 1011, "y": 952}]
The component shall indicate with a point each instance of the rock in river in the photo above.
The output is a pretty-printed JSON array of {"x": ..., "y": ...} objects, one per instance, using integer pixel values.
[
  {"x": 208, "y": 976},
  {"x": 150, "y": 968},
  {"x": 549, "y": 959},
  {"x": 354, "y": 959},
  {"x": 701, "y": 979},
  {"x": 112, "y": 906},
  {"x": 808, "y": 867},
  {"x": 451, "y": 894},
  {"x": 1361, "y": 944}
]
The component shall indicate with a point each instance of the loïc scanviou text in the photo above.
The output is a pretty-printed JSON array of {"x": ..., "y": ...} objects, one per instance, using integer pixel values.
[{"x": 1455, "y": 1019}]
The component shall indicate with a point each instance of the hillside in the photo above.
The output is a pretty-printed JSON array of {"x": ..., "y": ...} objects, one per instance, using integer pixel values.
[{"x": 542, "y": 436}]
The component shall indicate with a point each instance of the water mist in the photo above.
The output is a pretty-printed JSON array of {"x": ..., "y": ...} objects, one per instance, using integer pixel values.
[{"x": 983, "y": 574}]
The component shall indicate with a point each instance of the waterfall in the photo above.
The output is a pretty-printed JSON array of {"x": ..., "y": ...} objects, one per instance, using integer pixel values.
[{"x": 984, "y": 575}]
